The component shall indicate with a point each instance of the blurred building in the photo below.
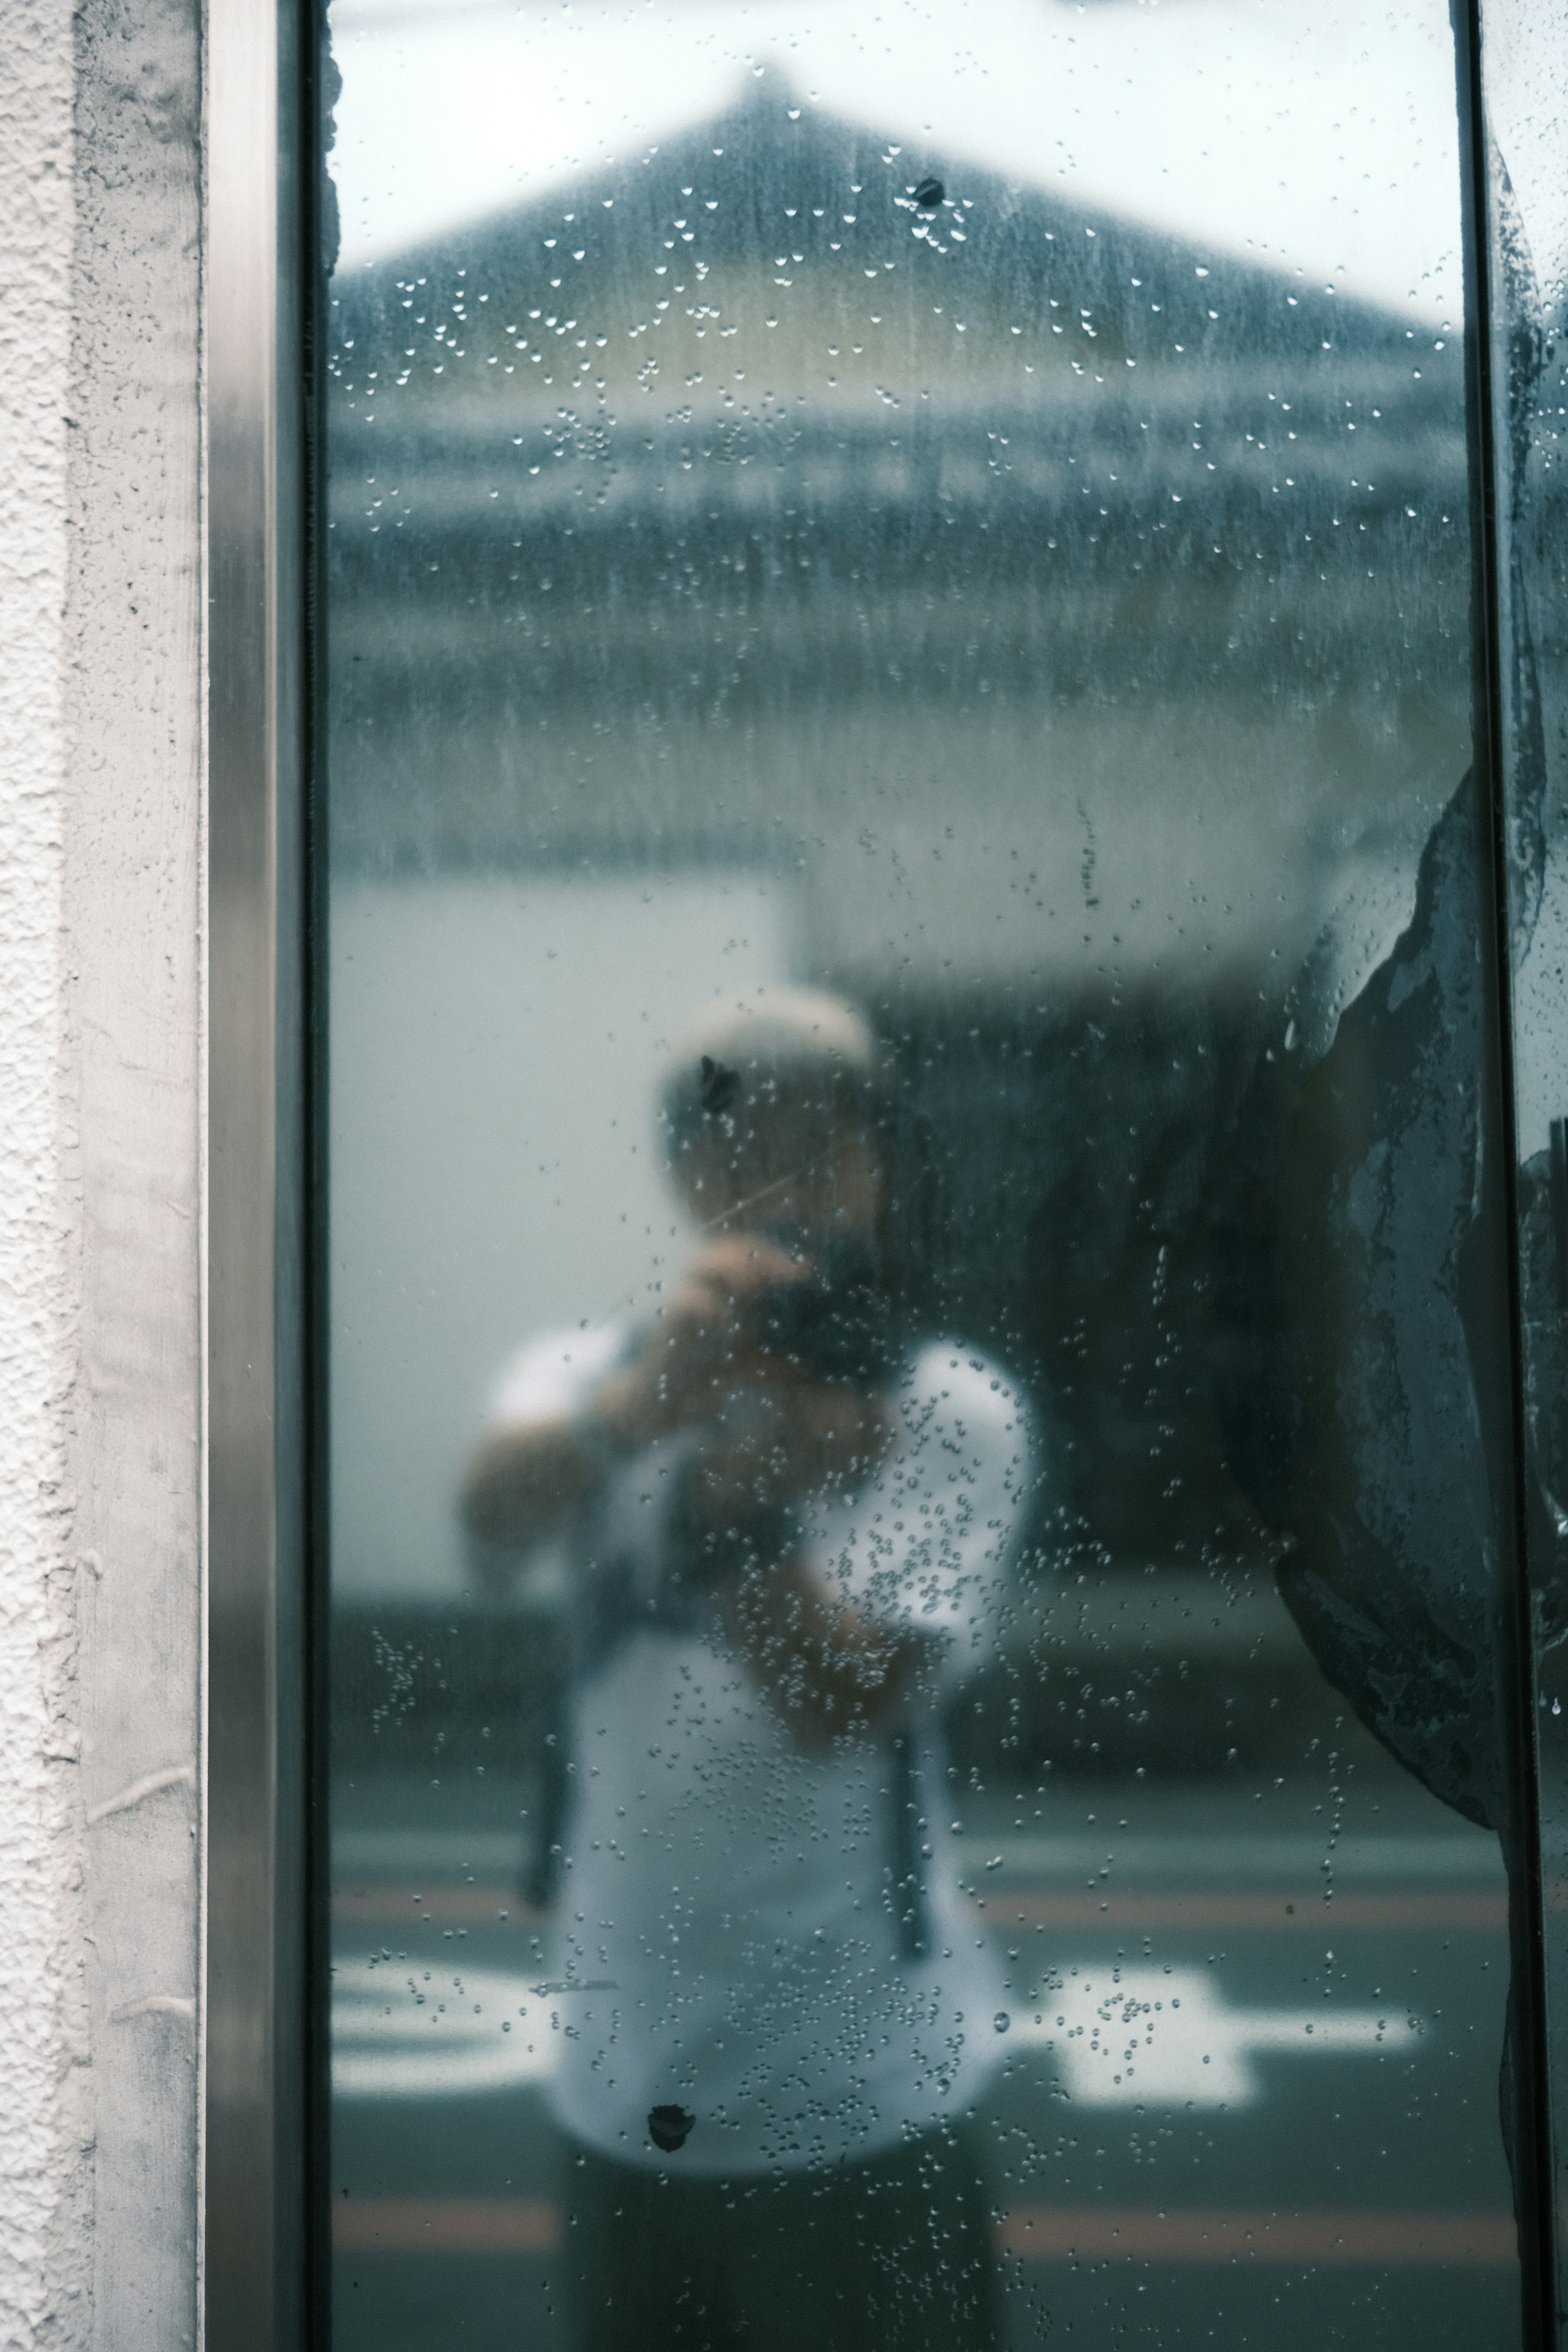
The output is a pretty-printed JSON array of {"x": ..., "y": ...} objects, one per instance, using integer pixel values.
[{"x": 979, "y": 603}]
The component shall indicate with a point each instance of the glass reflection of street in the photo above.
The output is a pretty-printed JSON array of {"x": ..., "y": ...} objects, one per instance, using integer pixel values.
[
  {"x": 886, "y": 521},
  {"x": 1224, "y": 2098}
]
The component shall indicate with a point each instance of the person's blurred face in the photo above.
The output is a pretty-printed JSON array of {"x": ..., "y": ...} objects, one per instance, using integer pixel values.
[{"x": 786, "y": 1166}]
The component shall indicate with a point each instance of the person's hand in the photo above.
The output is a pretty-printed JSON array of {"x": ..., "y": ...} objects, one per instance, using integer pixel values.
[
  {"x": 705, "y": 1355},
  {"x": 832, "y": 1673}
]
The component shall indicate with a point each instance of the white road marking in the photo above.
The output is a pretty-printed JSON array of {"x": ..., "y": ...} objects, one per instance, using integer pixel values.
[
  {"x": 403, "y": 2033},
  {"x": 1140, "y": 2037}
]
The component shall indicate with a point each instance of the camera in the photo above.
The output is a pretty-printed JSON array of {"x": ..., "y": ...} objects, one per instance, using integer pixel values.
[{"x": 840, "y": 1323}]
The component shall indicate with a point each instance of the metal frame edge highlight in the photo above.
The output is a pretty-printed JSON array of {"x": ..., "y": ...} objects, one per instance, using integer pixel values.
[{"x": 254, "y": 2231}]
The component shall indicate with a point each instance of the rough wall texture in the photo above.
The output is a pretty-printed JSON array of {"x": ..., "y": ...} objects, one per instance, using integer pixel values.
[
  {"x": 101, "y": 1171},
  {"x": 43, "y": 2169}
]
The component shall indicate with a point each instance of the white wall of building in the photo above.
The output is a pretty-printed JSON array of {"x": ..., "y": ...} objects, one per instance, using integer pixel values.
[
  {"x": 497, "y": 1044},
  {"x": 100, "y": 1164}
]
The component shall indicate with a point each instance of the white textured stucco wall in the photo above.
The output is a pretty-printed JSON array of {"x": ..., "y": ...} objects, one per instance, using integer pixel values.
[
  {"x": 42, "y": 2177},
  {"x": 100, "y": 1164}
]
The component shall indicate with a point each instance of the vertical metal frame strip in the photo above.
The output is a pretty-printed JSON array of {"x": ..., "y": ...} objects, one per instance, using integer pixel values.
[
  {"x": 1531, "y": 2151},
  {"x": 255, "y": 2124}
]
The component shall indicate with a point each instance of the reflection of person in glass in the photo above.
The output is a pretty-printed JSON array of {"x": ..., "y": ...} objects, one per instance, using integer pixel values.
[{"x": 785, "y": 1523}]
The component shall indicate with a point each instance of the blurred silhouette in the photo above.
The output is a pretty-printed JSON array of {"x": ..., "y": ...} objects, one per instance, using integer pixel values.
[
  {"x": 1360, "y": 1238},
  {"x": 783, "y": 1518}
]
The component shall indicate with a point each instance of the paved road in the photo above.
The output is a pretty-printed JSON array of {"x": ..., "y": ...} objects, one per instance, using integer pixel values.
[{"x": 1246, "y": 2098}]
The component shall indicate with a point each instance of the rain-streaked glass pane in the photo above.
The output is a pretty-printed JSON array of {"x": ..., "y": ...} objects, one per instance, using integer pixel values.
[{"x": 919, "y": 1544}]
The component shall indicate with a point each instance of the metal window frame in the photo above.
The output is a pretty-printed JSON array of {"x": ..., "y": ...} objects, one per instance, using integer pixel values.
[
  {"x": 257, "y": 2242},
  {"x": 263, "y": 2217},
  {"x": 1493, "y": 332}
]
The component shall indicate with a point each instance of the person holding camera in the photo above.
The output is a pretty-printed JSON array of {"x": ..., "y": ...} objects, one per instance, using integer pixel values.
[{"x": 784, "y": 1519}]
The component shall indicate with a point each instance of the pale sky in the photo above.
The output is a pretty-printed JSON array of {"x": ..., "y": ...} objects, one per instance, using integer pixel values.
[{"x": 1314, "y": 137}]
